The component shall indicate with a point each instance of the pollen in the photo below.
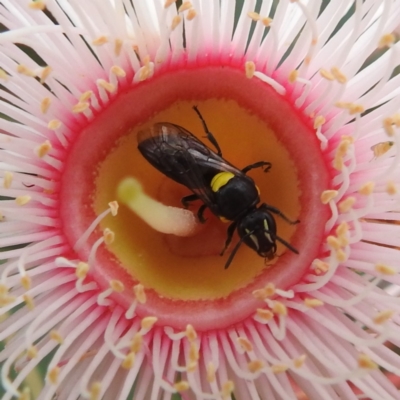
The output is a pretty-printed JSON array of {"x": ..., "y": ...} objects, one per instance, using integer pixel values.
[
  {"x": 264, "y": 314},
  {"x": 260, "y": 294},
  {"x": 26, "y": 282},
  {"x": 117, "y": 286},
  {"x": 346, "y": 205},
  {"x": 140, "y": 293},
  {"x": 191, "y": 14},
  {"x": 320, "y": 267},
  {"x": 254, "y": 16},
  {"x": 145, "y": 73},
  {"x": 169, "y": 3},
  {"x": 367, "y": 188},
  {"x": 109, "y": 87},
  {"x": 22, "y": 200},
  {"x": 81, "y": 270},
  {"x": 100, "y": 41},
  {"x": 293, "y": 75},
  {"x": 29, "y": 301},
  {"x": 190, "y": 333},
  {"x": 3, "y": 74},
  {"x": 181, "y": 386},
  {"x": 299, "y": 361},
  {"x": 148, "y": 322},
  {"x": 385, "y": 269},
  {"x": 383, "y": 317},
  {"x": 333, "y": 242},
  {"x": 186, "y": 5},
  {"x": 326, "y": 74},
  {"x": 118, "y": 46},
  {"x": 279, "y": 368},
  {"x": 256, "y": 365},
  {"x": 45, "y": 105},
  {"x": 250, "y": 68},
  {"x": 338, "y": 75},
  {"x": 7, "y": 180},
  {"x": 46, "y": 71},
  {"x": 342, "y": 229},
  {"x": 56, "y": 336},
  {"x": 53, "y": 375},
  {"x": 108, "y": 236},
  {"x": 341, "y": 255},
  {"x": 136, "y": 343},
  {"x": 386, "y": 40},
  {"x": 24, "y": 70},
  {"x": 365, "y": 362},
  {"x": 193, "y": 352},
  {"x": 227, "y": 389},
  {"x": 32, "y": 352},
  {"x": 245, "y": 344},
  {"x": 37, "y": 5},
  {"x": 128, "y": 361},
  {"x": 319, "y": 121},
  {"x": 388, "y": 126},
  {"x": 175, "y": 22},
  {"x": 211, "y": 372},
  {"x": 85, "y": 96},
  {"x": 95, "y": 391},
  {"x": 118, "y": 71},
  {"x": 266, "y": 21},
  {"x": 391, "y": 188},
  {"x": 54, "y": 124},
  {"x": 279, "y": 308},
  {"x": 312, "y": 303},
  {"x": 328, "y": 195},
  {"x": 80, "y": 107},
  {"x": 113, "y": 207},
  {"x": 43, "y": 149}
]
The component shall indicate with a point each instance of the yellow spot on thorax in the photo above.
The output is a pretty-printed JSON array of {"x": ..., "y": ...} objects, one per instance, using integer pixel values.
[{"x": 220, "y": 180}]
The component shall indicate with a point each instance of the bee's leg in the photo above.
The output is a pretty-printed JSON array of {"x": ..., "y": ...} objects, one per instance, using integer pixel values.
[
  {"x": 200, "y": 213},
  {"x": 188, "y": 199},
  {"x": 229, "y": 232},
  {"x": 259, "y": 164},
  {"x": 280, "y": 213},
  {"x": 209, "y": 136}
]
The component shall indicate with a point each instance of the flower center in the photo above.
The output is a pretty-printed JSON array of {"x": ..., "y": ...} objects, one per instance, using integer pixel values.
[{"x": 251, "y": 123}]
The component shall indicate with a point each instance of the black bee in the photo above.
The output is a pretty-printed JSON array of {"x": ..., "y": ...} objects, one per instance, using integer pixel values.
[{"x": 226, "y": 190}]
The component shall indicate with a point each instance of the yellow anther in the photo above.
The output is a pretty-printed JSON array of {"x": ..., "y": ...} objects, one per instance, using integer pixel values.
[
  {"x": 191, "y": 333},
  {"x": 333, "y": 242},
  {"x": 7, "y": 180},
  {"x": 365, "y": 362},
  {"x": 22, "y": 200},
  {"x": 227, "y": 389},
  {"x": 24, "y": 70},
  {"x": 320, "y": 267},
  {"x": 186, "y": 5},
  {"x": 117, "y": 286},
  {"x": 145, "y": 73},
  {"x": 367, "y": 188},
  {"x": 342, "y": 229},
  {"x": 108, "y": 236},
  {"x": 46, "y": 71},
  {"x": 113, "y": 207},
  {"x": 383, "y": 316},
  {"x": 253, "y": 15},
  {"x": 140, "y": 293},
  {"x": 37, "y": 5},
  {"x": 193, "y": 352},
  {"x": 181, "y": 386},
  {"x": 80, "y": 107},
  {"x": 85, "y": 96},
  {"x": 168, "y": 3},
  {"x": 388, "y": 126},
  {"x": 148, "y": 322},
  {"x": 54, "y": 124},
  {"x": 136, "y": 343},
  {"x": 192, "y": 366},
  {"x": 266, "y": 21},
  {"x": 25, "y": 394},
  {"x": 100, "y": 41},
  {"x": 81, "y": 270},
  {"x": 293, "y": 75},
  {"x": 326, "y": 74},
  {"x": 264, "y": 314},
  {"x": 128, "y": 361},
  {"x": 191, "y": 14},
  {"x": 26, "y": 282},
  {"x": 56, "y": 336},
  {"x": 396, "y": 119},
  {"x": 328, "y": 195},
  {"x": 381, "y": 148},
  {"x": 109, "y": 87},
  {"x": 319, "y": 121},
  {"x": 250, "y": 68},
  {"x": 256, "y": 365},
  {"x": 385, "y": 269},
  {"x": 279, "y": 308},
  {"x": 341, "y": 255},
  {"x": 391, "y": 188},
  {"x": 118, "y": 46},
  {"x": 260, "y": 294},
  {"x": 312, "y": 303},
  {"x": 45, "y": 105},
  {"x": 3, "y": 74},
  {"x": 95, "y": 391},
  {"x": 299, "y": 361},
  {"x": 386, "y": 40},
  {"x": 175, "y": 22},
  {"x": 32, "y": 352},
  {"x": 53, "y": 375},
  {"x": 118, "y": 71},
  {"x": 245, "y": 344},
  {"x": 29, "y": 301},
  {"x": 210, "y": 372},
  {"x": 43, "y": 149},
  {"x": 338, "y": 75},
  {"x": 346, "y": 205},
  {"x": 279, "y": 368},
  {"x": 356, "y": 109}
]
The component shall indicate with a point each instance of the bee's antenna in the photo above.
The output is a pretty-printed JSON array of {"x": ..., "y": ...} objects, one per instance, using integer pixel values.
[
  {"x": 285, "y": 243},
  {"x": 236, "y": 248}
]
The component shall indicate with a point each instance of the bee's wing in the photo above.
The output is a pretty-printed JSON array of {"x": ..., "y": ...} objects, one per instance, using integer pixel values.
[{"x": 178, "y": 154}]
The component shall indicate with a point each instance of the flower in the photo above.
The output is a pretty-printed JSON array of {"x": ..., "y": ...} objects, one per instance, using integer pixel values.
[{"x": 115, "y": 306}]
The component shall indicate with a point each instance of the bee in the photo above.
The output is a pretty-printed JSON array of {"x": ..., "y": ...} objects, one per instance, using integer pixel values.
[{"x": 223, "y": 188}]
